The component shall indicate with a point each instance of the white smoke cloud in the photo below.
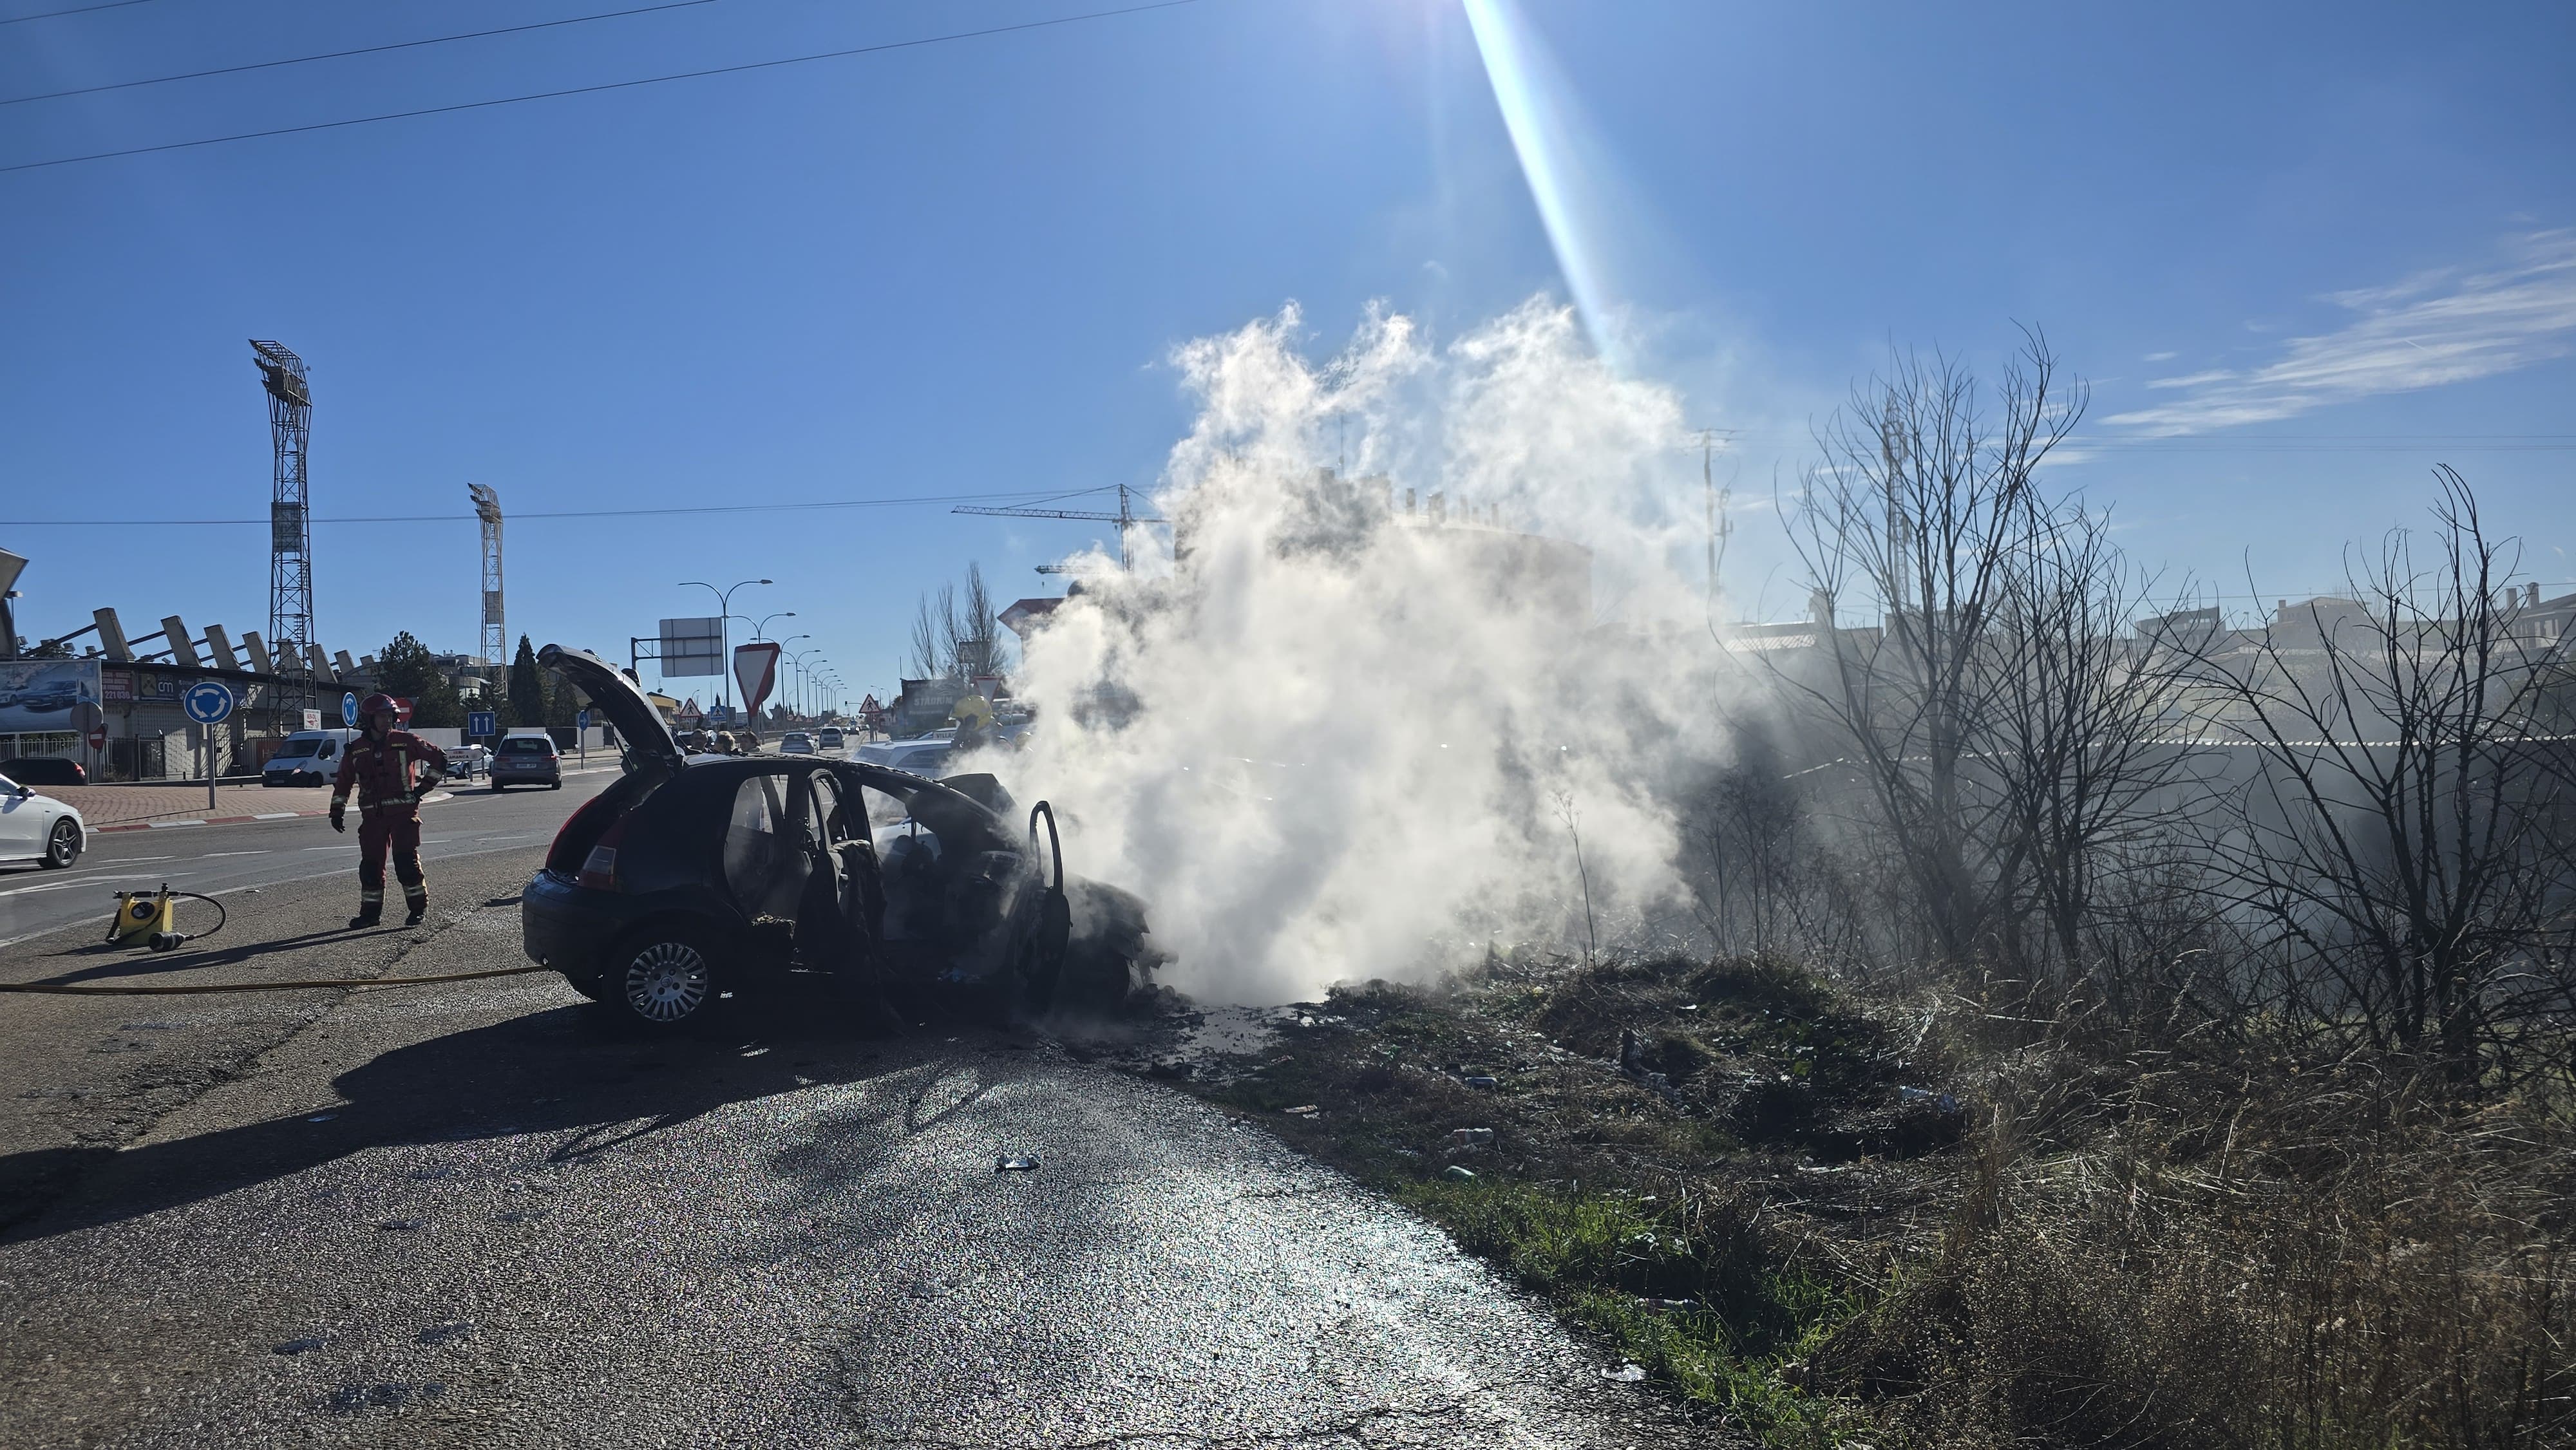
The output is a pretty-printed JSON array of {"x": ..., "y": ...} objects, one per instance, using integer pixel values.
[{"x": 1333, "y": 741}]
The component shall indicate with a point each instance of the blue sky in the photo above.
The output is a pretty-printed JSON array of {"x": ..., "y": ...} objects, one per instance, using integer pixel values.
[{"x": 2302, "y": 252}]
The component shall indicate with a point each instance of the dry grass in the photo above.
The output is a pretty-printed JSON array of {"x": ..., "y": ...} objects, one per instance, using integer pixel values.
[
  {"x": 2109, "y": 1245},
  {"x": 2231, "y": 1252}
]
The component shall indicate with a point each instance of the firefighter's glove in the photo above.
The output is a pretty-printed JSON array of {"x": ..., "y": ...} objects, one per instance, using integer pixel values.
[{"x": 339, "y": 812}]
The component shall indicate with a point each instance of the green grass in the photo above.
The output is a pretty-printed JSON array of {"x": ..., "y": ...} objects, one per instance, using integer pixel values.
[{"x": 1598, "y": 1256}]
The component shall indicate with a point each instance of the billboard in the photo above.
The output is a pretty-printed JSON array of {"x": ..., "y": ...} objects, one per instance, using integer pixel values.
[
  {"x": 692, "y": 647},
  {"x": 39, "y": 695}
]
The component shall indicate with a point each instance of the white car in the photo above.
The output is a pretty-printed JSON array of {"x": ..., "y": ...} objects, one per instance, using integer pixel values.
[
  {"x": 795, "y": 742},
  {"x": 38, "y": 827},
  {"x": 924, "y": 757}
]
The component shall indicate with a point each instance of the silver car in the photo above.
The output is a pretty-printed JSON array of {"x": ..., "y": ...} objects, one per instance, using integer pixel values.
[{"x": 527, "y": 760}]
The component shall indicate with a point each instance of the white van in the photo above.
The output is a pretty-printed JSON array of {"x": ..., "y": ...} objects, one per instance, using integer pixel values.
[{"x": 308, "y": 757}]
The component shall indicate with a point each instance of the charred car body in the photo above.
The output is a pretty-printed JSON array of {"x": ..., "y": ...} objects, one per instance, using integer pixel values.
[{"x": 697, "y": 876}]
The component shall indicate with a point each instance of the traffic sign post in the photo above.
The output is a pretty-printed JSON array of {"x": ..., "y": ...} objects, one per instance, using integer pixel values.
[
  {"x": 481, "y": 723},
  {"x": 209, "y": 703},
  {"x": 581, "y": 735},
  {"x": 349, "y": 710}
]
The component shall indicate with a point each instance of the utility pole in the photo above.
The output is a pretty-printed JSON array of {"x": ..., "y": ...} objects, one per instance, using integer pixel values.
[
  {"x": 290, "y": 532},
  {"x": 1900, "y": 533},
  {"x": 1720, "y": 527}
]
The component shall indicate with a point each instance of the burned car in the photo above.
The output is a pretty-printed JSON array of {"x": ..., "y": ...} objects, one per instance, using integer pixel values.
[{"x": 698, "y": 876}]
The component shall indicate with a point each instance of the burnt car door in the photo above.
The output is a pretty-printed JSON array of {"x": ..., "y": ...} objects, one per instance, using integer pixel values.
[
  {"x": 841, "y": 916},
  {"x": 767, "y": 855},
  {"x": 957, "y": 896}
]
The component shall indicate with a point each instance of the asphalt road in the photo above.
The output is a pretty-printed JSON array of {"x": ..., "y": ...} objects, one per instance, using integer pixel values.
[
  {"x": 471, "y": 1215},
  {"x": 220, "y": 859}
]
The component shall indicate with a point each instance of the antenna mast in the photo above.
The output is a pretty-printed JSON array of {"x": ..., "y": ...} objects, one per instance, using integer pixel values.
[
  {"x": 496, "y": 634},
  {"x": 290, "y": 530}
]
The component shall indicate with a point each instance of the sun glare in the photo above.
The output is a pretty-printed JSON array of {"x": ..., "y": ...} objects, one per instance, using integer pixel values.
[{"x": 1548, "y": 135}]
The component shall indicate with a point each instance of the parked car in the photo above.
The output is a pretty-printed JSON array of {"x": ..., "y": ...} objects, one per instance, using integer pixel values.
[
  {"x": 698, "y": 876},
  {"x": 527, "y": 760},
  {"x": 468, "y": 761},
  {"x": 830, "y": 738},
  {"x": 45, "y": 770},
  {"x": 307, "y": 757},
  {"x": 38, "y": 828},
  {"x": 795, "y": 742}
]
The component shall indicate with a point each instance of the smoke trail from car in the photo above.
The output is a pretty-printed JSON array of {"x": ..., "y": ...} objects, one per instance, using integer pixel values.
[{"x": 1353, "y": 727}]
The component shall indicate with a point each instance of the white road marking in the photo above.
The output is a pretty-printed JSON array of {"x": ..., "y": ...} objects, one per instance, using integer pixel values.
[
  {"x": 165, "y": 825},
  {"x": 93, "y": 881},
  {"x": 212, "y": 855},
  {"x": 276, "y": 815}
]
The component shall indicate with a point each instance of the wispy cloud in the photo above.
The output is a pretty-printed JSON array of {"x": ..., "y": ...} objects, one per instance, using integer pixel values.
[
  {"x": 2159, "y": 357},
  {"x": 2428, "y": 330}
]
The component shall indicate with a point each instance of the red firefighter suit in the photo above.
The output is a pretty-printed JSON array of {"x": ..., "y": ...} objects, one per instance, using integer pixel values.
[{"x": 383, "y": 770}]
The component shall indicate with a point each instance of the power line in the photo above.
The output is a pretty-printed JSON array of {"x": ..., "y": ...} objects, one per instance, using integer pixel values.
[
  {"x": 515, "y": 516},
  {"x": 722, "y": 70},
  {"x": 2292, "y": 443},
  {"x": 228, "y": 70},
  {"x": 75, "y": 10}
]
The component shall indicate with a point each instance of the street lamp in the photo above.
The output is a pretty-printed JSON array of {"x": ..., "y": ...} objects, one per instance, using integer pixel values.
[
  {"x": 758, "y": 631},
  {"x": 798, "y": 660},
  {"x": 724, "y": 636},
  {"x": 786, "y": 689}
]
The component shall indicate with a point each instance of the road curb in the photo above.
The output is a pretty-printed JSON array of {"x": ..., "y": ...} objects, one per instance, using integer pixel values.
[{"x": 236, "y": 820}]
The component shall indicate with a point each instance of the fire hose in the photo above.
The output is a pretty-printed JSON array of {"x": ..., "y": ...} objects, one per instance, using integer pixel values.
[{"x": 64, "y": 990}]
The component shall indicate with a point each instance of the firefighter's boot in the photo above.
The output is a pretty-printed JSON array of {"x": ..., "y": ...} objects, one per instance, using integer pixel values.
[{"x": 371, "y": 910}]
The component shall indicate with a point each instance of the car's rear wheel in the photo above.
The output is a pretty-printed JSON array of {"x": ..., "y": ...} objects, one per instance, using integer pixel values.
[
  {"x": 63, "y": 844},
  {"x": 664, "y": 981},
  {"x": 496, "y": 787}
]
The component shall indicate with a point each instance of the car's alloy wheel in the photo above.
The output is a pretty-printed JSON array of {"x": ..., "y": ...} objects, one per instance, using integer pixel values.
[
  {"x": 668, "y": 982},
  {"x": 63, "y": 847}
]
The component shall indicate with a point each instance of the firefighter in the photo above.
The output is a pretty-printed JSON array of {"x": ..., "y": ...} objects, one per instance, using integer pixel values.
[{"x": 381, "y": 763}]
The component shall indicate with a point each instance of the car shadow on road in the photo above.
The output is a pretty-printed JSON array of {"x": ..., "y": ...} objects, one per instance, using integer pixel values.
[{"x": 553, "y": 1071}]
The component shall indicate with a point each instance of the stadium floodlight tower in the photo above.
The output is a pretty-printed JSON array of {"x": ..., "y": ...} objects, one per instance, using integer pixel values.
[
  {"x": 496, "y": 636},
  {"x": 290, "y": 532}
]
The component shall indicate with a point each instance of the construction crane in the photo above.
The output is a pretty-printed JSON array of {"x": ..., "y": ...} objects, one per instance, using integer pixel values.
[
  {"x": 290, "y": 532},
  {"x": 496, "y": 635},
  {"x": 1126, "y": 518}
]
